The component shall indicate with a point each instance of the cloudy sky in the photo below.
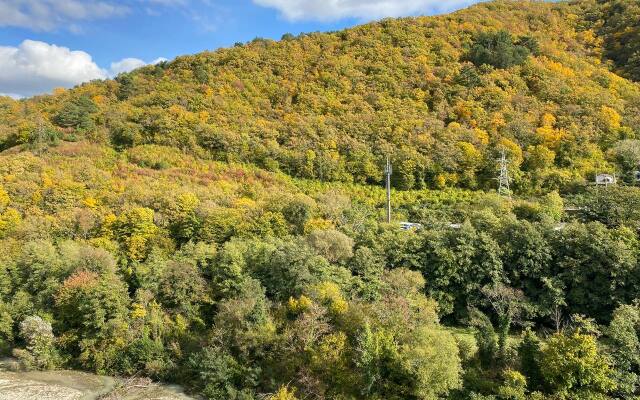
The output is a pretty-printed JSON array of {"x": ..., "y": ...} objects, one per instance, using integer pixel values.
[{"x": 59, "y": 43}]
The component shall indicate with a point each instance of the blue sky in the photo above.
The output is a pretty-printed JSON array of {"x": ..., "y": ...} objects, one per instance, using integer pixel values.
[{"x": 51, "y": 43}]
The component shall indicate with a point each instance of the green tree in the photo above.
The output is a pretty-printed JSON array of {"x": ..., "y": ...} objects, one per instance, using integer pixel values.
[
  {"x": 369, "y": 268},
  {"x": 529, "y": 352},
  {"x": 597, "y": 266},
  {"x": 297, "y": 212},
  {"x": 229, "y": 368},
  {"x": 40, "y": 271},
  {"x": 40, "y": 352},
  {"x": 182, "y": 289},
  {"x": 573, "y": 366},
  {"x": 459, "y": 263},
  {"x": 508, "y": 304},
  {"x": 220, "y": 376},
  {"x": 184, "y": 220},
  {"x": 613, "y": 206},
  {"x": 497, "y": 49},
  {"x": 333, "y": 245},
  {"x": 92, "y": 310},
  {"x": 76, "y": 113},
  {"x": 286, "y": 268},
  {"x": 134, "y": 228},
  {"x": 626, "y": 154},
  {"x": 6, "y": 326},
  {"x": 527, "y": 259},
  {"x": 623, "y": 335},
  {"x": 514, "y": 386},
  {"x": 486, "y": 338},
  {"x": 621, "y": 32}
]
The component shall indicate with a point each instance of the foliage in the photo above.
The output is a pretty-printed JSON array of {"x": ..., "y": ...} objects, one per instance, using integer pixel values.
[
  {"x": 283, "y": 394},
  {"x": 332, "y": 106},
  {"x": 335, "y": 246},
  {"x": 426, "y": 369},
  {"x": 573, "y": 365},
  {"x": 486, "y": 338},
  {"x": 621, "y": 33},
  {"x": 613, "y": 207},
  {"x": 218, "y": 221},
  {"x": 623, "y": 335},
  {"x": 498, "y": 50},
  {"x": 514, "y": 386},
  {"x": 76, "y": 114},
  {"x": 40, "y": 352},
  {"x": 529, "y": 352}
]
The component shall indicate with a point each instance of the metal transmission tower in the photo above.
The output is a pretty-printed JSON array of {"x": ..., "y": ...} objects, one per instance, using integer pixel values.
[
  {"x": 503, "y": 179},
  {"x": 388, "y": 171}
]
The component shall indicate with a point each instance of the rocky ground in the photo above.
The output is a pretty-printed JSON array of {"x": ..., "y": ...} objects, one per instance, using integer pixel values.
[
  {"x": 73, "y": 385},
  {"x": 139, "y": 389}
]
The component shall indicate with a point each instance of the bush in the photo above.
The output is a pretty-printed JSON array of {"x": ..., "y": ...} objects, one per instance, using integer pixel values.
[
  {"x": 143, "y": 355},
  {"x": 220, "y": 376},
  {"x": 486, "y": 338},
  {"x": 514, "y": 386},
  {"x": 467, "y": 347},
  {"x": 284, "y": 393},
  {"x": 573, "y": 364},
  {"x": 333, "y": 245},
  {"x": 497, "y": 49},
  {"x": 40, "y": 352},
  {"x": 76, "y": 113}
]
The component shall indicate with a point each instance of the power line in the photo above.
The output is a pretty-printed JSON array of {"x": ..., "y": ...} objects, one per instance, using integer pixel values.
[
  {"x": 503, "y": 179},
  {"x": 388, "y": 171}
]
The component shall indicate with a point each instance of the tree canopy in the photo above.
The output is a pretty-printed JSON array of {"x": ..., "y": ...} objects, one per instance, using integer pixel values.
[{"x": 218, "y": 220}]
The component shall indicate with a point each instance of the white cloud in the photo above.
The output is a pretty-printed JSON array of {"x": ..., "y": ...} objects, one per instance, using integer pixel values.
[
  {"x": 71, "y": 15},
  {"x": 168, "y": 2},
  {"x": 126, "y": 65},
  {"x": 129, "y": 64},
  {"x": 328, "y": 10},
  {"x": 12, "y": 95},
  {"x": 47, "y": 15},
  {"x": 37, "y": 67}
]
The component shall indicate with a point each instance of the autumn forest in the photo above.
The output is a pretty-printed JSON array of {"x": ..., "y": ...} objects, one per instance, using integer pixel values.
[{"x": 218, "y": 221}]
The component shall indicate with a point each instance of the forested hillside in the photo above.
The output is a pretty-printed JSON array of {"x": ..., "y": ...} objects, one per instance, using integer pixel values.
[
  {"x": 330, "y": 106},
  {"x": 216, "y": 221}
]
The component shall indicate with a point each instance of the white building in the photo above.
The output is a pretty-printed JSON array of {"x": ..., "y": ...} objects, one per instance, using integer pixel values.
[
  {"x": 405, "y": 226},
  {"x": 605, "y": 179}
]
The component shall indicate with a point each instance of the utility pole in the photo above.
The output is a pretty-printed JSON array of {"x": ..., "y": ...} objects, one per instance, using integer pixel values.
[
  {"x": 388, "y": 171},
  {"x": 503, "y": 179}
]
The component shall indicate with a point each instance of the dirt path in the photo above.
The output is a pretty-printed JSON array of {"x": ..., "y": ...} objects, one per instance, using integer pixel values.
[
  {"x": 53, "y": 385},
  {"x": 73, "y": 385}
]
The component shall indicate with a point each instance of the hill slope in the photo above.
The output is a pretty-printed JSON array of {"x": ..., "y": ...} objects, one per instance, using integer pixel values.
[
  {"x": 217, "y": 221},
  {"x": 330, "y": 106}
]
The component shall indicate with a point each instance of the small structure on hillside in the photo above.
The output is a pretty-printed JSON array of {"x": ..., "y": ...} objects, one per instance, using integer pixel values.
[
  {"x": 406, "y": 226},
  {"x": 605, "y": 179}
]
